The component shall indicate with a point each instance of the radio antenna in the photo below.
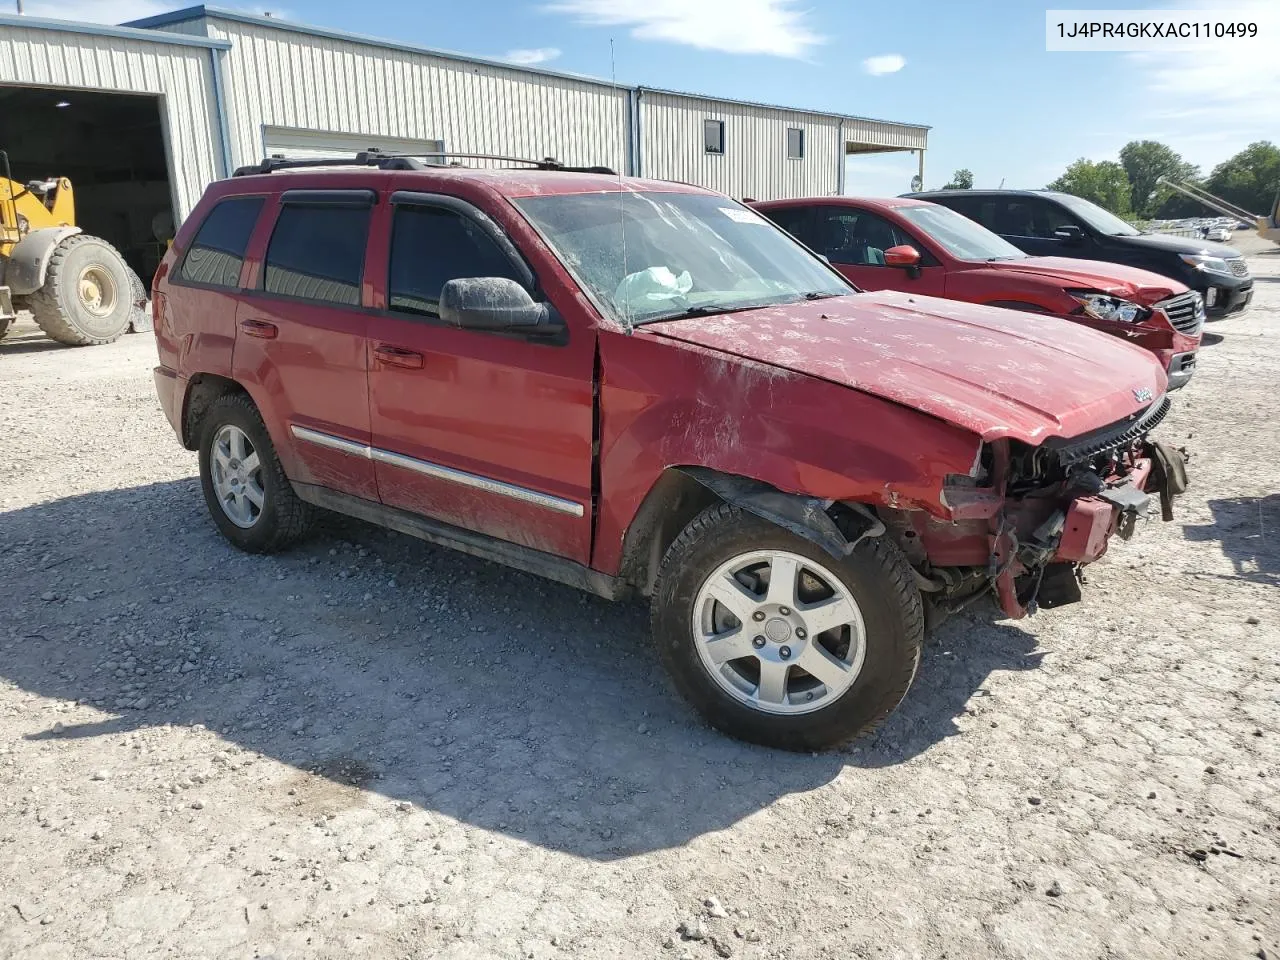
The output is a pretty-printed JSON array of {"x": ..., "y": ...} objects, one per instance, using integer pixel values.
[{"x": 622, "y": 210}]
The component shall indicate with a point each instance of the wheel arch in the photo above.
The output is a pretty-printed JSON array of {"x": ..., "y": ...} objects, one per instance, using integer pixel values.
[
  {"x": 28, "y": 264},
  {"x": 203, "y": 390},
  {"x": 682, "y": 492}
]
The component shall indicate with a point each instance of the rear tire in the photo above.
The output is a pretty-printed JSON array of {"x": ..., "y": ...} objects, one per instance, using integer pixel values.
[
  {"x": 249, "y": 498},
  {"x": 863, "y": 652},
  {"x": 87, "y": 297}
]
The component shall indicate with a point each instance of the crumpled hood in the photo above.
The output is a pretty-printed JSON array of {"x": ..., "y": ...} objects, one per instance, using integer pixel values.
[
  {"x": 999, "y": 373},
  {"x": 1129, "y": 283}
]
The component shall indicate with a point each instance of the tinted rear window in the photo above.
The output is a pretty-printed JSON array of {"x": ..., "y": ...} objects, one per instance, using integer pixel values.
[
  {"x": 217, "y": 252},
  {"x": 317, "y": 253},
  {"x": 794, "y": 220}
]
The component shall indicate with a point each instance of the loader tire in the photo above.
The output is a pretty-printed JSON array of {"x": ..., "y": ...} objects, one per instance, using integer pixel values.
[
  {"x": 87, "y": 297},
  {"x": 140, "y": 318}
]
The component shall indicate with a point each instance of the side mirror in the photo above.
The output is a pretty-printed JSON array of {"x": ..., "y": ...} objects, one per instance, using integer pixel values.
[
  {"x": 902, "y": 256},
  {"x": 491, "y": 303},
  {"x": 1070, "y": 233}
]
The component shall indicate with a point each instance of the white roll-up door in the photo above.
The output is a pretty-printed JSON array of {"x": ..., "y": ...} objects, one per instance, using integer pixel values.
[{"x": 318, "y": 144}]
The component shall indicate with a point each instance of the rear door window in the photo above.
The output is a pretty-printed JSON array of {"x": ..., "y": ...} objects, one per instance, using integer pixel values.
[
  {"x": 797, "y": 221},
  {"x": 979, "y": 209},
  {"x": 217, "y": 253},
  {"x": 1031, "y": 217},
  {"x": 317, "y": 251},
  {"x": 431, "y": 246}
]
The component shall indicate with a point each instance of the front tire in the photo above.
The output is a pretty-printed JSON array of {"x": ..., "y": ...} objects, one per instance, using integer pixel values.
[
  {"x": 775, "y": 641},
  {"x": 250, "y": 499},
  {"x": 87, "y": 297}
]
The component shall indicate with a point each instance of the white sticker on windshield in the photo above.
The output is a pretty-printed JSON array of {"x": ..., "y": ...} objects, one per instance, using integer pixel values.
[{"x": 738, "y": 215}]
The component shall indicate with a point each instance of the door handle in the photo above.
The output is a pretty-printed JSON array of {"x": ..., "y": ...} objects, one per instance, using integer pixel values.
[
  {"x": 259, "y": 328},
  {"x": 397, "y": 356}
]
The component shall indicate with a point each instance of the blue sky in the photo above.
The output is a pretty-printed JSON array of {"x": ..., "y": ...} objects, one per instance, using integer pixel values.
[{"x": 977, "y": 72}]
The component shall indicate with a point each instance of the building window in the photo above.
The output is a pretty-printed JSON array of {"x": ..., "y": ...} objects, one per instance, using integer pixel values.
[
  {"x": 713, "y": 136},
  {"x": 795, "y": 143},
  {"x": 217, "y": 252}
]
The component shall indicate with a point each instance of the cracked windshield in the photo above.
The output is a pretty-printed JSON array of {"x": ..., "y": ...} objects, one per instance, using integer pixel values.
[{"x": 679, "y": 254}]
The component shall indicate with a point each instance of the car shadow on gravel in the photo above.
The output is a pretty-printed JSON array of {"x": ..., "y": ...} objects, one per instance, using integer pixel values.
[
  {"x": 376, "y": 665},
  {"x": 11, "y": 346},
  {"x": 1248, "y": 530}
]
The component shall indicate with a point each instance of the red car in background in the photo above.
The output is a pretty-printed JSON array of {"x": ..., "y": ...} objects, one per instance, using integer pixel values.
[{"x": 920, "y": 247}]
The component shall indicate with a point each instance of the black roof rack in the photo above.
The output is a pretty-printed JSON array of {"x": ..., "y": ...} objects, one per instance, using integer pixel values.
[{"x": 406, "y": 161}]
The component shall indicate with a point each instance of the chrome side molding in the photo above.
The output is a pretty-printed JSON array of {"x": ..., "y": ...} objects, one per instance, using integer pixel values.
[{"x": 439, "y": 471}]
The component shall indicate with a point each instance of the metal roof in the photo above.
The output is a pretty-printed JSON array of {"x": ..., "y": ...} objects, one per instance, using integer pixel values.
[
  {"x": 125, "y": 32},
  {"x": 835, "y": 115},
  {"x": 221, "y": 13}
]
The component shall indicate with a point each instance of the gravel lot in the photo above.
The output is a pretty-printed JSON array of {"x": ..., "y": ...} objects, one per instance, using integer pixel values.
[{"x": 369, "y": 747}]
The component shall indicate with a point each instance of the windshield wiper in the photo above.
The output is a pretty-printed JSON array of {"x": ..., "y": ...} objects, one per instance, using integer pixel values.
[
  {"x": 704, "y": 310},
  {"x": 994, "y": 259},
  {"x": 814, "y": 295}
]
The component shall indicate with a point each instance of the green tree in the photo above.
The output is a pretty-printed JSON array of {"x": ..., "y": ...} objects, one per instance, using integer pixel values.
[
  {"x": 1145, "y": 162},
  {"x": 1250, "y": 179},
  {"x": 1104, "y": 182},
  {"x": 962, "y": 179}
]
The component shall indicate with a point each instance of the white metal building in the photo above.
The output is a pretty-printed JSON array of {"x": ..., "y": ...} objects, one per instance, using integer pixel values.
[{"x": 141, "y": 117}]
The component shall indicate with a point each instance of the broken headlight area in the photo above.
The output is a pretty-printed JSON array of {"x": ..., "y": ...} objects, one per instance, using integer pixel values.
[{"x": 1103, "y": 306}]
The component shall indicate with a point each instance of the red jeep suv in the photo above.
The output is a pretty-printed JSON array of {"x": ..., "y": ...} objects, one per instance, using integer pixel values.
[
  {"x": 925, "y": 248},
  {"x": 645, "y": 388}
]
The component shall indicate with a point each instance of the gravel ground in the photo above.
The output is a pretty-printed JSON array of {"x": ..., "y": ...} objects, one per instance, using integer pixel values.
[{"x": 369, "y": 747}]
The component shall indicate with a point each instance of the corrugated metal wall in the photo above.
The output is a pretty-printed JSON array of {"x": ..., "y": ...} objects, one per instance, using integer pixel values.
[
  {"x": 754, "y": 162},
  {"x": 181, "y": 75},
  {"x": 283, "y": 78}
]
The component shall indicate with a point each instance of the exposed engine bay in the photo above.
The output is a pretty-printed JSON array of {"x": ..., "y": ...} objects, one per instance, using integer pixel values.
[{"x": 1032, "y": 517}]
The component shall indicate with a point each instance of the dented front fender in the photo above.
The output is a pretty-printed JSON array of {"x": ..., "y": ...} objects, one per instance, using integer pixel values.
[{"x": 738, "y": 417}]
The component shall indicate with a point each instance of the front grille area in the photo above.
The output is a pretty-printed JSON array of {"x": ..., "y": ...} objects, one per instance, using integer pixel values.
[
  {"x": 1238, "y": 266},
  {"x": 1185, "y": 312},
  {"x": 1080, "y": 449}
]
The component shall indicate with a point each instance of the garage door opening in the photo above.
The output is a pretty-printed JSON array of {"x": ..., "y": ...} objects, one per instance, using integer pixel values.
[
  {"x": 326, "y": 144},
  {"x": 111, "y": 147}
]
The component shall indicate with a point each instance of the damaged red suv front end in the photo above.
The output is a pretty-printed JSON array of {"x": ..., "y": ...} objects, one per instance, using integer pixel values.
[{"x": 1032, "y": 517}]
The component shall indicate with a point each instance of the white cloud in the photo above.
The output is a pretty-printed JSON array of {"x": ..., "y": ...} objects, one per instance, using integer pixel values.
[
  {"x": 535, "y": 55},
  {"x": 772, "y": 27},
  {"x": 885, "y": 63}
]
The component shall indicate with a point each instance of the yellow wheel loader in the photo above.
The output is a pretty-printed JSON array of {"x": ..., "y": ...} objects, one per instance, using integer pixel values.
[{"x": 77, "y": 287}]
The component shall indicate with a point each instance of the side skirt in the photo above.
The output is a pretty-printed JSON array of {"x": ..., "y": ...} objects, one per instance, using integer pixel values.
[{"x": 466, "y": 541}]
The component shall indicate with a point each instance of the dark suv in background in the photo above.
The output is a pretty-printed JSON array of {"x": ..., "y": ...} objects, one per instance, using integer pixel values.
[{"x": 1046, "y": 224}]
